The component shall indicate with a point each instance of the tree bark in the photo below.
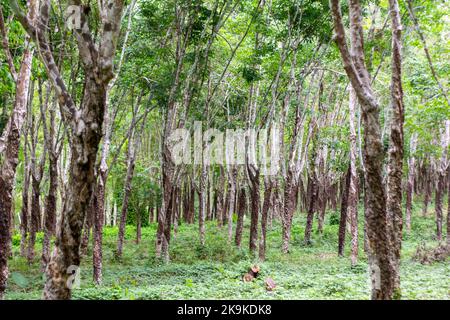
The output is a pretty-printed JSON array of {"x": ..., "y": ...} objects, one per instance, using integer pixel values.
[
  {"x": 377, "y": 231},
  {"x": 344, "y": 210},
  {"x": 410, "y": 182},
  {"x": 439, "y": 195},
  {"x": 10, "y": 142},
  {"x": 242, "y": 205},
  {"x": 126, "y": 196}
]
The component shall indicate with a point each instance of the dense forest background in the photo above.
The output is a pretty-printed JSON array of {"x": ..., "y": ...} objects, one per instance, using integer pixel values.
[{"x": 354, "y": 94}]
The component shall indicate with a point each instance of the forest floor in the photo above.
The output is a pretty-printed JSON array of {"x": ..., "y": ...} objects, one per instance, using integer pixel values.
[{"x": 215, "y": 271}]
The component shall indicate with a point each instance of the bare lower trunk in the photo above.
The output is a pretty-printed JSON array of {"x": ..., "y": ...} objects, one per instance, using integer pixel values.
[
  {"x": 255, "y": 198},
  {"x": 353, "y": 187},
  {"x": 344, "y": 210},
  {"x": 125, "y": 200},
  {"x": 395, "y": 161},
  {"x": 50, "y": 210},
  {"x": 242, "y": 204},
  {"x": 138, "y": 228},
  {"x": 410, "y": 183},
  {"x": 377, "y": 230},
  {"x": 10, "y": 161},
  {"x": 87, "y": 227},
  {"x": 290, "y": 201},
  {"x": 97, "y": 252},
  {"x": 66, "y": 256},
  {"x": 231, "y": 201},
  {"x": 24, "y": 213},
  {"x": 202, "y": 209},
  {"x": 322, "y": 204},
  {"x": 35, "y": 218},
  {"x": 439, "y": 195},
  {"x": 267, "y": 204},
  {"x": 427, "y": 196},
  {"x": 312, "y": 196}
]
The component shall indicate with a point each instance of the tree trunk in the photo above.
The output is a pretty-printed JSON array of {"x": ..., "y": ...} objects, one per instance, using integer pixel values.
[
  {"x": 312, "y": 197},
  {"x": 377, "y": 231},
  {"x": 395, "y": 160},
  {"x": 255, "y": 198},
  {"x": 344, "y": 210},
  {"x": 267, "y": 204},
  {"x": 35, "y": 217},
  {"x": 97, "y": 252},
  {"x": 242, "y": 204},
  {"x": 126, "y": 197},
  {"x": 410, "y": 182},
  {"x": 353, "y": 187},
  {"x": 440, "y": 189},
  {"x": 11, "y": 140},
  {"x": 50, "y": 209}
]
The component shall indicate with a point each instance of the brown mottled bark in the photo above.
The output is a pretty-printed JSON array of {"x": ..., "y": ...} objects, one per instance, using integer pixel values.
[
  {"x": 322, "y": 205},
  {"x": 254, "y": 213},
  {"x": 378, "y": 233},
  {"x": 138, "y": 228},
  {"x": 9, "y": 148},
  {"x": 267, "y": 204},
  {"x": 37, "y": 169},
  {"x": 344, "y": 210},
  {"x": 87, "y": 227},
  {"x": 25, "y": 211},
  {"x": 353, "y": 195},
  {"x": 290, "y": 201},
  {"x": 312, "y": 198},
  {"x": 220, "y": 205},
  {"x": 85, "y": 124},
  {"x": 50, "y": 199},
  {"x": 231, "y": 201},
  {"x": 131, "y": 155},
  {"x": 428, "y": 191},
  {"x": 176, "y": 212},
  {"x": 410, "y": 182},
  {"x": 242, "y": 205},
  {"x": 439, "y": 195},
  {"x": 395, "y": 160},
  {"x": 99, "y": 210}
]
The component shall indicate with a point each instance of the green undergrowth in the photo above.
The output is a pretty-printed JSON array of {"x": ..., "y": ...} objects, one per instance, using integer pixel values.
[{"x": 215, "y": 270}]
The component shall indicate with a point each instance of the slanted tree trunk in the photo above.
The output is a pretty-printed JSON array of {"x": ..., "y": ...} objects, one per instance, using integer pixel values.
[{"x": 382, "y": 268}]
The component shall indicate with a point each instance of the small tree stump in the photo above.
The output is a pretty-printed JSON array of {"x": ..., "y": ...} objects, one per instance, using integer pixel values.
[
  {"x": 251, "y": 274},
  {"x": 254, "y": 270},
  {"x": 248, "y": 277},
  {"x": 270, "y": 284}
]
